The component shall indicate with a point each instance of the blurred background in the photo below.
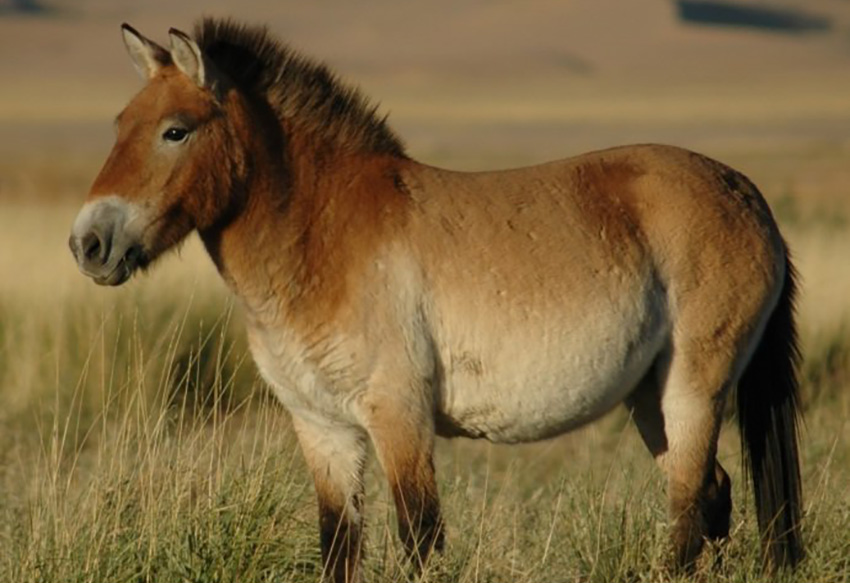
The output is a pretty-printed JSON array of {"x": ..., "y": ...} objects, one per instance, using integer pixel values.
[
  {"x": 476, "y": 83},
  {"x": 98, "y": 480},
  {"x": 763, "y": 85}
]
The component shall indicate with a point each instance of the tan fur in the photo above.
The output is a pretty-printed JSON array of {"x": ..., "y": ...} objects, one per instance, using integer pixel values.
[
  {"x": 390, "y": 301},
  {"x": 336, "y": 457}
]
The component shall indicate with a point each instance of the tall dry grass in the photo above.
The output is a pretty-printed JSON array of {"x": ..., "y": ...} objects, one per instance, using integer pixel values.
[{"x": 136, "y": 443}]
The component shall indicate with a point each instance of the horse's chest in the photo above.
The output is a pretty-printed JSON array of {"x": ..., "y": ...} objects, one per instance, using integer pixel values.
[{"x": 297, "y": 374}]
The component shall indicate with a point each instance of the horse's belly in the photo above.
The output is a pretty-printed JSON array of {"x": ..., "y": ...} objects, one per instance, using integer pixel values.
[{"x": 541, "y": 383}]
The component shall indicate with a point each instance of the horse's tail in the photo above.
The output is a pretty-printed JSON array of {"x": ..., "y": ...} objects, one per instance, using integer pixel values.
[{"x": 767, "y": 419}]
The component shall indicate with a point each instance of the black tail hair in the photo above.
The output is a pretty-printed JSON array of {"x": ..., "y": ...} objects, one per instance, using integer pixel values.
[{"x": 768, "y": 415}]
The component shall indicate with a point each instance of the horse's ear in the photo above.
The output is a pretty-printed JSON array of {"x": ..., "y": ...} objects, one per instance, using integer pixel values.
[
  {"x": 188, "y": 57},
  {"x": 148, "y": 57}
]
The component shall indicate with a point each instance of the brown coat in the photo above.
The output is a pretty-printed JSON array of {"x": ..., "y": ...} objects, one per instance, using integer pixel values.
[{"x": 389, "y": 301}]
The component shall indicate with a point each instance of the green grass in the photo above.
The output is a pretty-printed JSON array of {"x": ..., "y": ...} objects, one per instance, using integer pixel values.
[{"x": 137, "y": 445}]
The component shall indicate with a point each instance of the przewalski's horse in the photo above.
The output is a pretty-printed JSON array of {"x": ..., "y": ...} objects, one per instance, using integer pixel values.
[{"x": 389, "y": 301}]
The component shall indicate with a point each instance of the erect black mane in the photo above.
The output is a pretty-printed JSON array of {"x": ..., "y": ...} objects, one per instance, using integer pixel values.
[{"x": 297, "y": 88}]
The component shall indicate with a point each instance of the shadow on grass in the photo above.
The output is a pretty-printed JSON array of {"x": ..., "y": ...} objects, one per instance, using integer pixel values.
[
  {"x": 738, "y": 14},
  {"x": 23, "y": 7},
  {"x": 36, "y": 9}
]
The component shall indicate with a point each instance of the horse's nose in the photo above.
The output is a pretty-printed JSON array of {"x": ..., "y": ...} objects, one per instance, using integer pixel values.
[
  {"x": 91, "y": 250},
  {"x": 103, "y": 246},
  {"x": 94, "y": 248}
]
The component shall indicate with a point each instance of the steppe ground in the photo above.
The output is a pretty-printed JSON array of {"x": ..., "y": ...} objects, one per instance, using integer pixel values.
[{"x": 136, "y": 442}]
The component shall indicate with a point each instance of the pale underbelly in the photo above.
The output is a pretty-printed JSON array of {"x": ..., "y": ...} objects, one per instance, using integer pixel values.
[
  {"x": 511, "y": 413},
  {"x": 532, "y": 389}
]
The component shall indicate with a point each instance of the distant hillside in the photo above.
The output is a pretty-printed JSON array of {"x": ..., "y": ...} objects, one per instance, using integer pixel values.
[{"x": 535, "y": 74}]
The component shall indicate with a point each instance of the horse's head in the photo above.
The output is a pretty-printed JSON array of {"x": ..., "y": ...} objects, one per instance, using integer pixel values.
[{"x": 172, "y": 168}]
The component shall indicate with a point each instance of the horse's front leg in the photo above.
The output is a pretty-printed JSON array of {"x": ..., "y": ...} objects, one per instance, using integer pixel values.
[
  {"x": 401, "y": 425},
  {"x": 336, "y": 455}
]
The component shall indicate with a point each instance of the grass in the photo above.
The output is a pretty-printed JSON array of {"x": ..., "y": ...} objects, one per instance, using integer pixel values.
[{"x": 137, "y": 445}]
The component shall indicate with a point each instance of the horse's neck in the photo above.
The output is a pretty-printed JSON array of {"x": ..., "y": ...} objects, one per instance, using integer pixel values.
[
  {"x": 242, "y": 253},
  {"x": 288, "y": 235}
]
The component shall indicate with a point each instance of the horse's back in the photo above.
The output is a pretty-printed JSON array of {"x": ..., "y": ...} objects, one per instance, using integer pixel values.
[
  {"x": 622, "y": 211},
  {"x": 551, "y": 290}
]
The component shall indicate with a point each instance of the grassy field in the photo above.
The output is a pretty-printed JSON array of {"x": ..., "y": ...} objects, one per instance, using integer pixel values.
[{"x": 137, "y": 443}]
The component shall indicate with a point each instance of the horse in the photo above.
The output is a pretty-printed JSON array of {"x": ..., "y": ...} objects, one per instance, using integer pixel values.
[{"x": 389, "y": 301}]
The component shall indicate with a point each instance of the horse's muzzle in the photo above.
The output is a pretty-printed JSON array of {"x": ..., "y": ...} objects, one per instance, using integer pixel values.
[{"x": 102, "y": 243}]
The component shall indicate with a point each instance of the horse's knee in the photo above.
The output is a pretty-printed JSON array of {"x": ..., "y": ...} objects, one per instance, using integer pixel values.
[
  {"x": 336, "y": 457},
  {"x": 420, "y": 522},
  {"x": 422, "y": 532},
  {"x": 340, "y": 544},
  {"x": 404, "y": 443}
]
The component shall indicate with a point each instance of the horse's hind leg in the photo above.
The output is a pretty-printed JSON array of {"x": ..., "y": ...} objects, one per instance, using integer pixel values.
[{"x": 677, "y": 409}]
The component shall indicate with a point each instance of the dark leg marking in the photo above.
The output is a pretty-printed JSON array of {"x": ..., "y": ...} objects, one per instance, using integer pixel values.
[{"x": 341, "y": 545}]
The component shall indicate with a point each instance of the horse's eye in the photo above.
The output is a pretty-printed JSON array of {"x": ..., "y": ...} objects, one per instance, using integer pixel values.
[{"x": 175, "y": 134}]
